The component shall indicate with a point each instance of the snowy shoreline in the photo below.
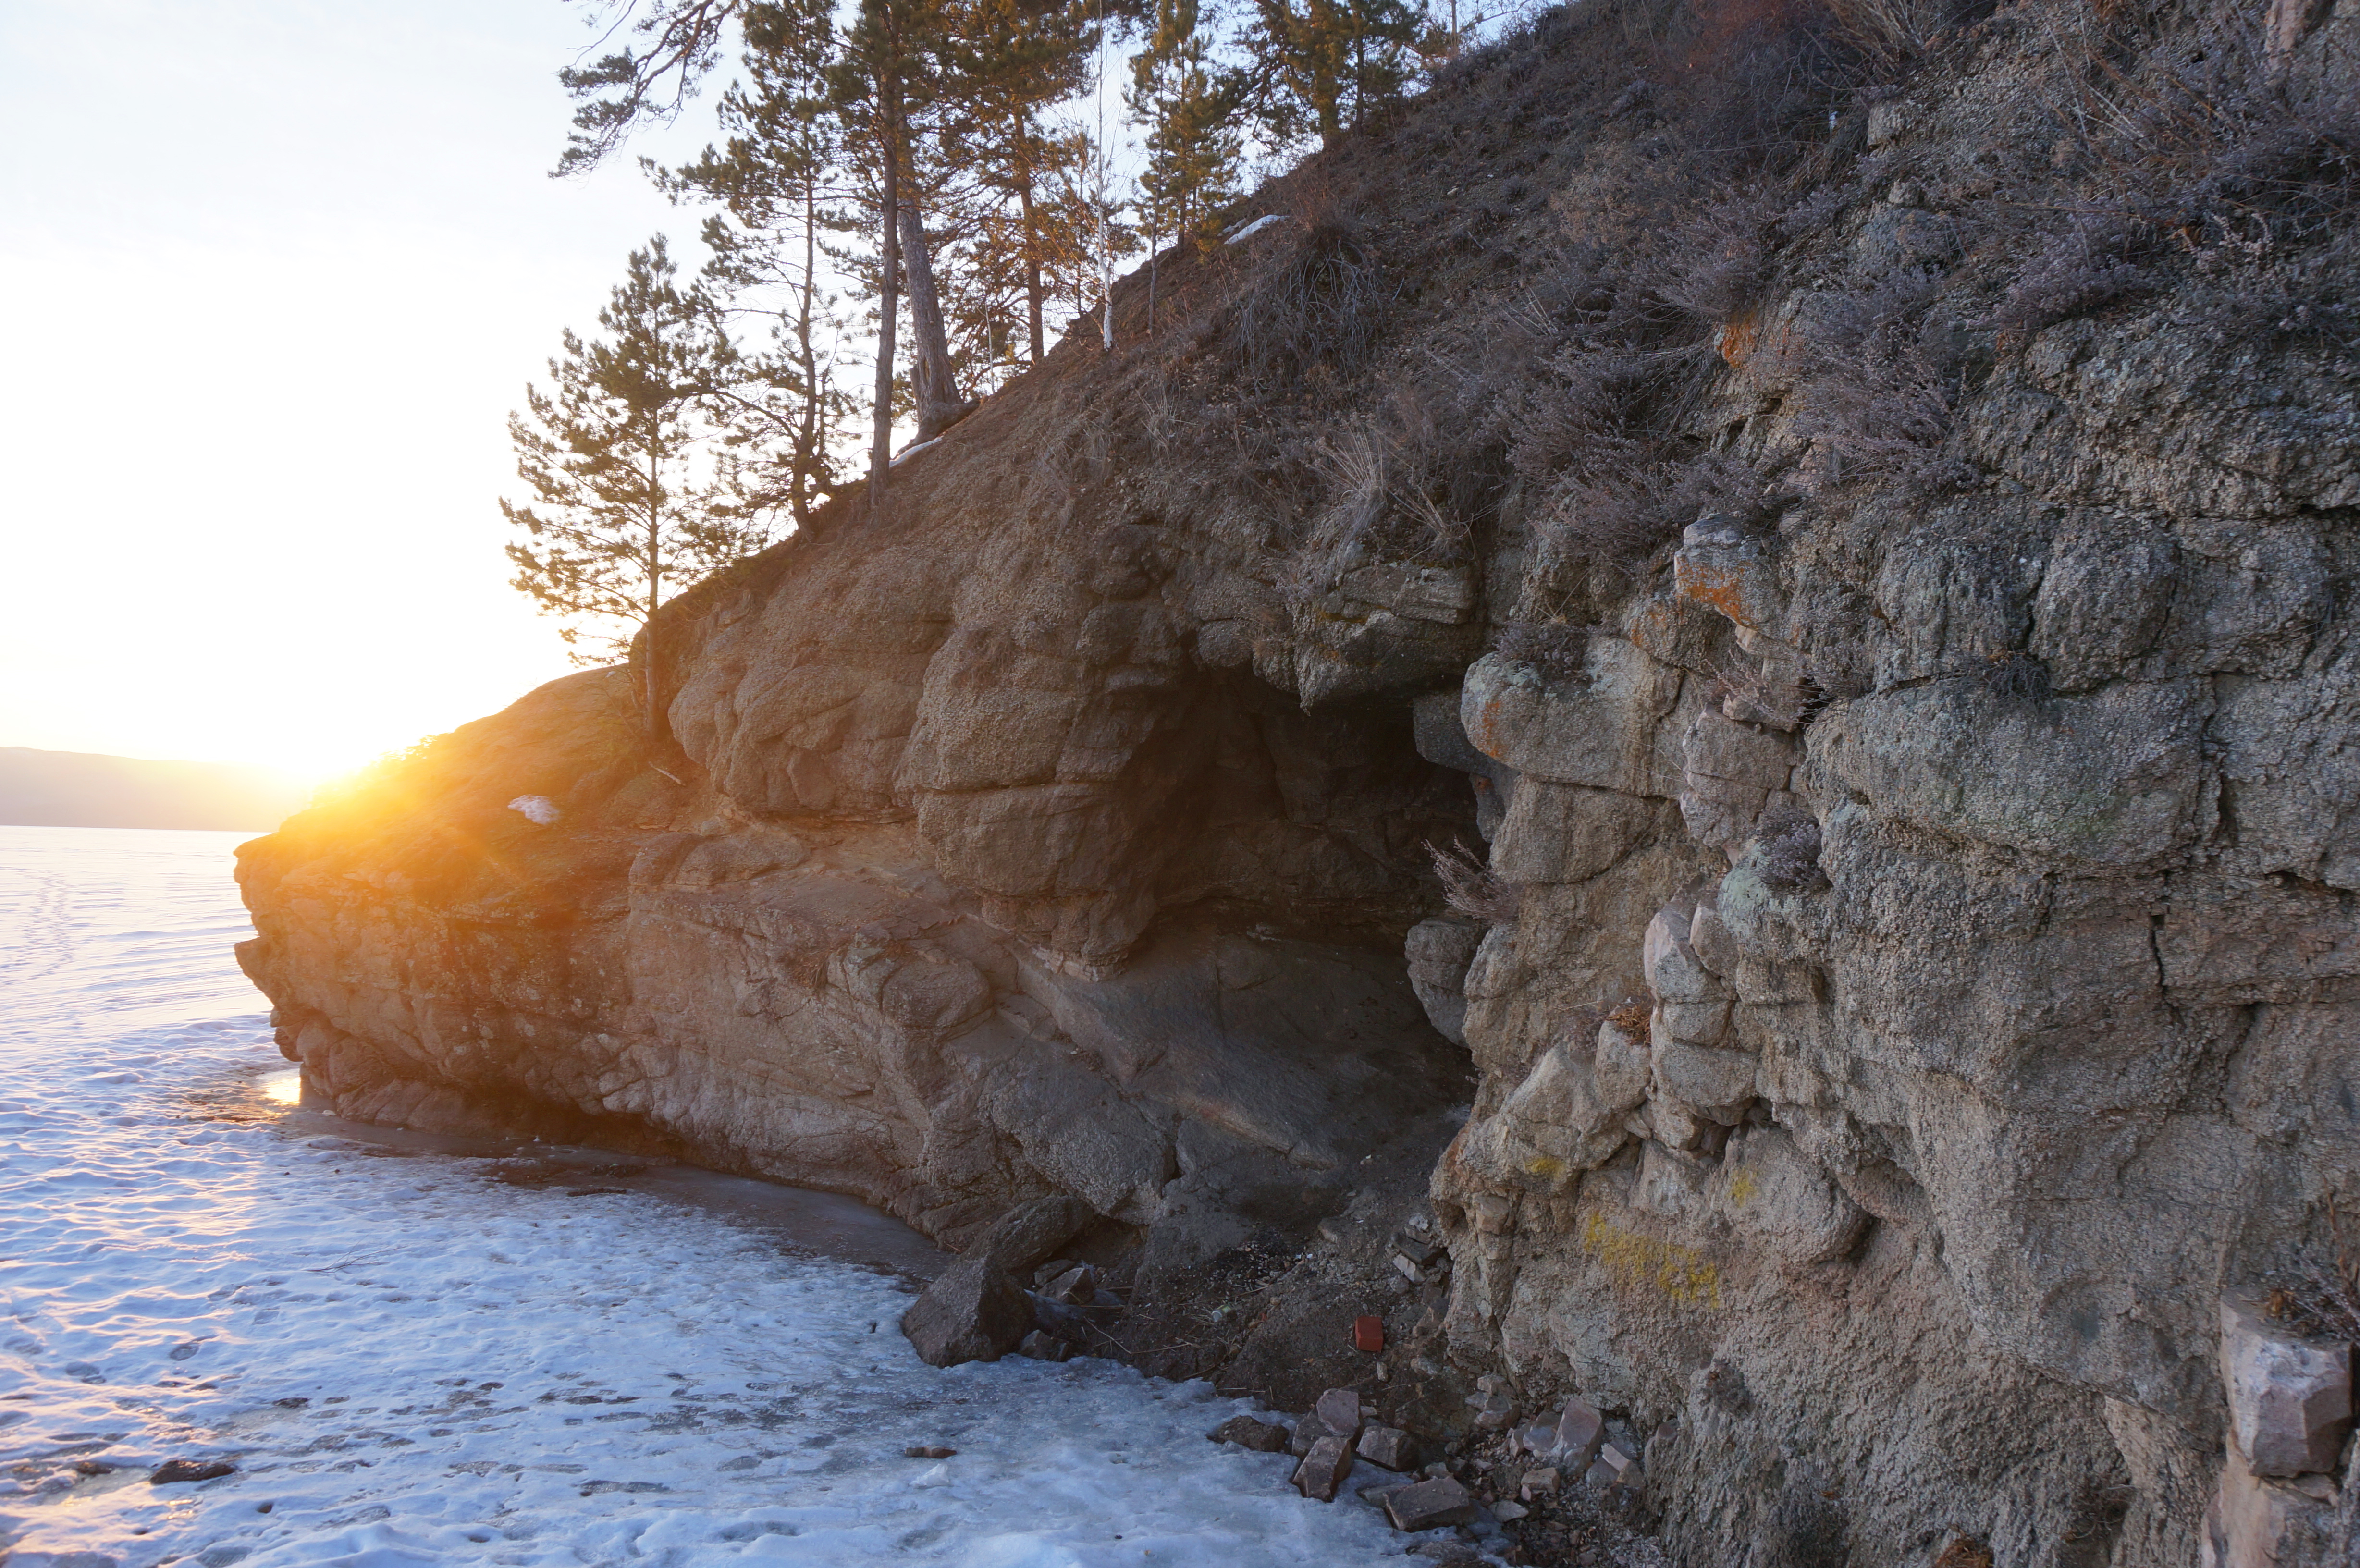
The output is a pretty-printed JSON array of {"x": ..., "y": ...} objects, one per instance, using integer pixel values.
[{"x": 411, "y": 1360}]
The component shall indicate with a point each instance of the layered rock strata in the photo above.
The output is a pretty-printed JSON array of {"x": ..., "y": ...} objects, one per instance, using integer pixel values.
[{"x": 1898, "y": 1056}]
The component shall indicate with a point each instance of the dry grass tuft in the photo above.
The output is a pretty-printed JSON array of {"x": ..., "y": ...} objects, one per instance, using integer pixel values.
[
  {"x": 1321, "y": 311},
  {"x": 1557, "y": 649},
  {"x": 1472, "y": 887},
  {"x": 1629, "y": 517},
  {"x": 1885, "y": 380},
  {"x": 1790, "y": 854},
  {"x": 1393, "y": 490}
]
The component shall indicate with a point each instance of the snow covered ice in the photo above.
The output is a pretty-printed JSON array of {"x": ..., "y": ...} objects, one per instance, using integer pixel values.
[{"x": 410, "y": 1361}]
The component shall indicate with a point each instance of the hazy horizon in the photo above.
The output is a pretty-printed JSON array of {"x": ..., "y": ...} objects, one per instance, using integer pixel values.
[{"x": 291, "y": 267}]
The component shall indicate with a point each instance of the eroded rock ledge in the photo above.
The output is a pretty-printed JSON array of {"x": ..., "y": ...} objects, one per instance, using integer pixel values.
[{"x": 1900, "y": 1058}]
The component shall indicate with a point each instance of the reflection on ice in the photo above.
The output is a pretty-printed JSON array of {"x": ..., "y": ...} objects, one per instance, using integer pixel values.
[{"x": 284, "y": 1088}]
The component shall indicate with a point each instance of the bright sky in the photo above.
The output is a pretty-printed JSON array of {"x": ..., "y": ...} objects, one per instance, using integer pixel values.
[{"x": 277, "y": 269}]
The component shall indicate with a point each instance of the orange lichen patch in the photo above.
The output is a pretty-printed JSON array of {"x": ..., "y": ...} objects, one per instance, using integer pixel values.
[
  {"x": 1484, "y": 732},
  {"x": 1679, "y": 1272},
  {"x": 1653, "y": 624},
  {"x": 1737, "y": 338},
  {"x": 1722, "y": 591}
]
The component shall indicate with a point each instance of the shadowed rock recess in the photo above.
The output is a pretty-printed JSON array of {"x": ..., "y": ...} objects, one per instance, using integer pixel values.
[{"x": 1848, "y": 524}]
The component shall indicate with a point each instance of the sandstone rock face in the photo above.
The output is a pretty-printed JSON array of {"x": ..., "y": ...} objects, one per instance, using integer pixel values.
[{"x": 1919, "y": 983}]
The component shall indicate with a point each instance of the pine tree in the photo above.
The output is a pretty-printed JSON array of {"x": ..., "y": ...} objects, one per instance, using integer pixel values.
[
  {"x": 883, "y": 82},
  {"x": 619, "y": 92},
  {"x": 1319, "y": 66},
  {"x": 1012, "y": 60},
  {"x": 1189, "y": 108},
  {"x": 889, "y": 86},
  {"x": 779, "y": 181},
  {"x": 617, "y": 454}
]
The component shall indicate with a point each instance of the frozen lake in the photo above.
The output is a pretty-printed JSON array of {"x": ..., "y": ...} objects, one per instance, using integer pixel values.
[{"x": 413, "y": 1360}]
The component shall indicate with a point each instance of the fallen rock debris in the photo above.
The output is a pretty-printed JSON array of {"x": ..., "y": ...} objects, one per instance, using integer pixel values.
[
  {"x": 1389, "y": 1446},
  {"x": 1322, "y": 1469},
  {"x": 1262, "y": 1437},
  {"x": 1423, "y": 1505}
]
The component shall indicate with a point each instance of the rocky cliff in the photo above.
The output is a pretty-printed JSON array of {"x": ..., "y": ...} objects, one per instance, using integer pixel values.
[{"x": 1838, "y": 524}]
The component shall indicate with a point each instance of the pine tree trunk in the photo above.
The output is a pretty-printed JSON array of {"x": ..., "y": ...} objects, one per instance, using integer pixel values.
[
  {"x": 930, "y": 356},
  {"x": 648, "y": 626},
  {"x": 1032, "y": 252},
  {"x": 1326, "y": 90},
  {"x": 807, "y": 468},
  {"x": 880, "y": 440}
]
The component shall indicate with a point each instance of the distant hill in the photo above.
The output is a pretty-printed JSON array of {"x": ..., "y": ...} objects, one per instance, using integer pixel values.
[{"x": 81, "y": 790}]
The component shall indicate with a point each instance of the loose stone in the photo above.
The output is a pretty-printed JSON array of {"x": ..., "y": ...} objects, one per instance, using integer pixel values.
[
  {"x": 1339, "y": 1411},
  {"x": 177, "y": 1470},
  {"x": 1322, "y": 1469},
  {"x": 1262, "y": 1437},
  {"x": 1430, "y": 1504},
  {"x": 1389, "y": 1446},
  {"x": 1041, "y": 1347}
]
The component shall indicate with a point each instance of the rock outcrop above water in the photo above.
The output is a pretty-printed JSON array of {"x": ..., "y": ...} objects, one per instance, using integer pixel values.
[{"x": 1878, "y": 616}]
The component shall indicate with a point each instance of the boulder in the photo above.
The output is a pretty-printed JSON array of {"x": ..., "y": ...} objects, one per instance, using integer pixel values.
[
  {"x": 1570, "y": 1442},
  {"x": 1494, "y": 1405},
  {"x": 1674, "y": 972},
  {"x": 1726, "y": 566},
  {"x": 1782, "y": 1203},
  {"x": 1438, "y": 952},
  {"x": 973, "y": 1312},
  {"x": 1075, "y": 1286},
  {"x": 1715, "y": 1081},
  {"x": 1429, "y": 1504},
  {"x": 1613, "y": 1467},
  {"x": 1598, "y": 730},
  {"x": 2290, "y": 1398},
  {"x": 1031, "y": 1234}
]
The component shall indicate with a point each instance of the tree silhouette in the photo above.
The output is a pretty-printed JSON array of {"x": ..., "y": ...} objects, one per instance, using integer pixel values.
[{"x": 618, "y": 456}]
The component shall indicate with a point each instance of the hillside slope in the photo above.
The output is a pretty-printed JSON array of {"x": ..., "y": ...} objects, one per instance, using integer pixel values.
[{"x": 1847, "y": 516}]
